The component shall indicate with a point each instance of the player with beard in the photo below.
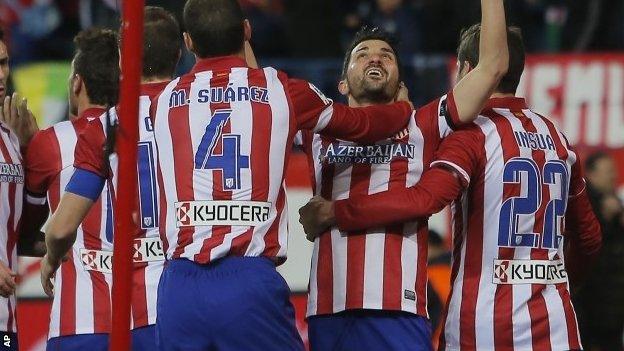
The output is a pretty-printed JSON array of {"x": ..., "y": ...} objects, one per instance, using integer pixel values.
[
  {"x": 519, "y": 202},
  {"x": 368, "y": 287}
]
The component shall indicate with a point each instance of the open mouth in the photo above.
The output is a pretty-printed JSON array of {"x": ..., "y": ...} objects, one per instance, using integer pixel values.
[{"x": 374, "y": 72}]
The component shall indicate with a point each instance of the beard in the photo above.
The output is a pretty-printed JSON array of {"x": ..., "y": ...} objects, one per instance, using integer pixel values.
[{"x": 366, "y": 91}]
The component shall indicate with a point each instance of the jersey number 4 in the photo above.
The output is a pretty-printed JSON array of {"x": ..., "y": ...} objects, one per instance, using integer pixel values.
[
  {"x": 524, "y": 171},
  {"x": 229, "y": 161}
]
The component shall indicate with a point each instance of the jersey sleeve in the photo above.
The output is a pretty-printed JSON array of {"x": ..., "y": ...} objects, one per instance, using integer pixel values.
[
  {"x": 436, "y": 189},
  {"x": 313, "y": 111},
  {"x": 461, "y": 152},
  {"x": 42, "y": 163},
  {"x": 456, "y": 160},
  {"x": 89, "y": 154}
]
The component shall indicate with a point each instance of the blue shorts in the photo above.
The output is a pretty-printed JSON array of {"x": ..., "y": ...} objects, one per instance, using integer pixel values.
[
  {"x": 91, "y": 342},
  {"x": 8, "y": 341},
  {"x": 236, "y": 303},
  {"x": 144, "y": 338},
  {"x": 370, "y": 330}
]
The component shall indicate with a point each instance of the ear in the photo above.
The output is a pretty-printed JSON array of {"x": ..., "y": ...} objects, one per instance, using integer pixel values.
[
  {"x": 247, "y": 28},
  {"x": 77, "y": 85},
  {"x": 343, "y": 87},
  {"x": 188, "y": 42}
]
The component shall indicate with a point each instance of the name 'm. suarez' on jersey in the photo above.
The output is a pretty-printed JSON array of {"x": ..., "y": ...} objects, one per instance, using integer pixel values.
[{"x": 216, "y": 95}]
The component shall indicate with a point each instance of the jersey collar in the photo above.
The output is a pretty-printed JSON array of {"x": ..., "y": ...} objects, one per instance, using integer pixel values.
[
  {"x": 92, "y": 112},
  {"x": 218, "y": 63},
  {"x": 513, "y": 103},
  {"x": 153, "y": 89}
]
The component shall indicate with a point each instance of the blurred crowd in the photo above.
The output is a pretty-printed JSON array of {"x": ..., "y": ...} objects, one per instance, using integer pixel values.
[{"x": 42, "y": 29}]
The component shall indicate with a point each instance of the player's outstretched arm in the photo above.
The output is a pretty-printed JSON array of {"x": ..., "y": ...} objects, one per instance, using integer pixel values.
[
  {"x": 473, "y": 91},
  {"x": 456, "y": 159},
  {"x": 437, "y": 188},
  {"x": 319, "y": 114}
]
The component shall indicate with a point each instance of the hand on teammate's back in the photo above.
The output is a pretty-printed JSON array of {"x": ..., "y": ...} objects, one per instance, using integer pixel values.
[
  {"x": 316, "y": 216},
  {"x": 7, "y": 281},
  {"x": 19, "y": 118}
]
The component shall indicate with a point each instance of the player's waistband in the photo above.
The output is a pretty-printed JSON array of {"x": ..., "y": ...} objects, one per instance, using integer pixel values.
[
  {"x": 225, "y": 213},
  {"x": 545, "y": 272},
  {"x": 225, "y": 264},
  {"x": 145, "y": 250}
]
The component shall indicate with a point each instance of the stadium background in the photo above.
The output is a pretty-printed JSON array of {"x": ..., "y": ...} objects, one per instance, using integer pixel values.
[{"x": 575, "y": 74}]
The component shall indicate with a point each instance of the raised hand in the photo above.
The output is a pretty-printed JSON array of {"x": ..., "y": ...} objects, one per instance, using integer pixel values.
[{"x": 16, "y": 115}]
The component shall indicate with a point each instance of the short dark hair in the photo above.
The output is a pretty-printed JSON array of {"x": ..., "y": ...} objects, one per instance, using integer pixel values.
[
  {"x": 216, "y": 27},
  {"x": 593, "y": 159},
  {"x": 371, "y": 33},
  {"x": 468, "y": 51},
  {"x": 97, "y": 61},
  {"x": 161, "y": 42}
]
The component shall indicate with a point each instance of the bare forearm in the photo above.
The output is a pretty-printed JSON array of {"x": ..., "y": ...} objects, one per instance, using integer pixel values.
[
  {"x": 58, "y": 245},
  {"x": 493, "y": 49}
]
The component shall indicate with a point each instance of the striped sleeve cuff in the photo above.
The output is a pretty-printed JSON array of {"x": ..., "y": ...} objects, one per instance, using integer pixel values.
[
  {"x": 457, "y": 168},
  {"x": 35, "y": 199}
]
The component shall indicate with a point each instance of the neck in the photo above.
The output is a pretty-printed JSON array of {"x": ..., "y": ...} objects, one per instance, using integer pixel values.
[
  {"x": 364, "y": 103},
  {"x": 150, "y": 80},
  {"x": 85, "y": 106},
  {"x": 502, "y": 95},
  {"x": 240, "y": 54}
]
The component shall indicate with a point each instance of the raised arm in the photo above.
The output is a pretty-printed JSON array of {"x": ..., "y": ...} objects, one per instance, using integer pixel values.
[{"x": 475, "y": 88}]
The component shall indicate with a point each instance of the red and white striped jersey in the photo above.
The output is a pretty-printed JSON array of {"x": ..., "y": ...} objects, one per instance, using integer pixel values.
[
  {"x": 378, "y": 268},
  {"x": 224, "y": 135},
  {"x": 509, "y": 285},
  {"x": 11, "y": 200},
  {"x": 82, "y": 300},
  {"x": 148, "y": 254}
]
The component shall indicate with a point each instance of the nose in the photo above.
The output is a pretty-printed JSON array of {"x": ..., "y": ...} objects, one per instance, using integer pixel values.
[{"x": 375, "y": 58}]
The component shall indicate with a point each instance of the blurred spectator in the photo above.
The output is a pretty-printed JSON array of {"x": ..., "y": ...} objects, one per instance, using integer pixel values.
[
  {"x": 312, "y": 28},
  {"x": 600, "y": 301},
  {"x": 39, "y": 29},
  {"x": 594, "y": 25},
  {"x": 403, "y": 19},
  {"x": 100, "y": 13},
  {"x": 439, "y": 283},
  {"x": 266, "y": 17}
]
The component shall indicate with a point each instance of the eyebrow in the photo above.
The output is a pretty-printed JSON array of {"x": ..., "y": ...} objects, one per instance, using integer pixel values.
[{"x": 362, "y": 49}]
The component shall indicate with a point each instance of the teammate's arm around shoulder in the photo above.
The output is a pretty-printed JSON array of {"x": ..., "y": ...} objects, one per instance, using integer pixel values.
[
  {"x": 314, "y": 111},
  {"x": 456, "y": 160},
  {"x": 473, "y": 90}
]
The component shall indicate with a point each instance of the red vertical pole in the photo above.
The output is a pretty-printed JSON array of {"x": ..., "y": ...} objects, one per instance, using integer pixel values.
[{"x": 127, "y": 136}]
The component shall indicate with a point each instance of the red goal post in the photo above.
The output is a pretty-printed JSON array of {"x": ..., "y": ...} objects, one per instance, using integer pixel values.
[{"x": 127, "y": 137}]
